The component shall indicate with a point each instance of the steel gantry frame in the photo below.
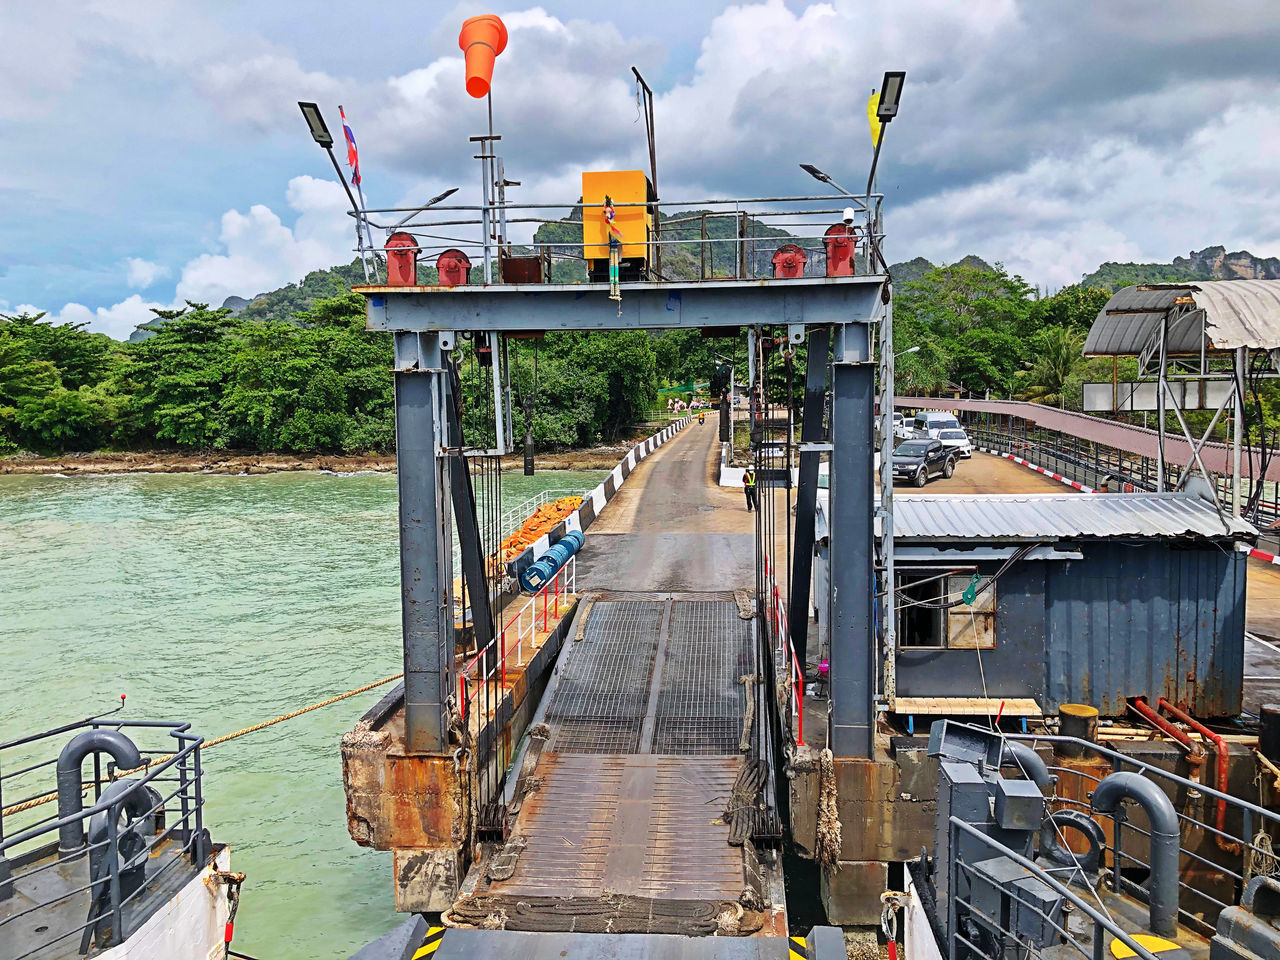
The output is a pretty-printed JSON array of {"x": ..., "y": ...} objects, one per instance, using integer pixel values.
[{"x": 427, "y": 323}]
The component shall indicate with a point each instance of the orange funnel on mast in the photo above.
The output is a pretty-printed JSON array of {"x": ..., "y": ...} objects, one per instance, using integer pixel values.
[{"x": 482, "y": 39}]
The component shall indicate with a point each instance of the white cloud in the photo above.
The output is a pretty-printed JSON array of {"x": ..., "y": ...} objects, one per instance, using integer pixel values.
[
  {"x": 1047, "y": 136},
  {"x": 1115, "y": 199},
  {"x": 117, "y": 321},
  {"x": 141, "y": 274},
  {"x": 260, "y": 254},
  {"x": 263, "y": 254}
]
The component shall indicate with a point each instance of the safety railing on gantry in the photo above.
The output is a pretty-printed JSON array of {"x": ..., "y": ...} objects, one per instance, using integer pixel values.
[{"x": 689, "y": 240}]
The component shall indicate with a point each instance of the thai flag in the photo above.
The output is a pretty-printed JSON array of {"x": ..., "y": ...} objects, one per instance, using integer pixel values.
[{"x": 353, "y": 158}]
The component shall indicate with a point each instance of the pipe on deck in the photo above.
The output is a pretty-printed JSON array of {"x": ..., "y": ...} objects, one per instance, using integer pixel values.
[
  {"x": 1223, "y": 770},
  {"x": 1162, "y": 887},
  {"x": 1195, "y": 752},
  {"x": 112, "y": 742},
  {"x": 1024, "y": 756}
]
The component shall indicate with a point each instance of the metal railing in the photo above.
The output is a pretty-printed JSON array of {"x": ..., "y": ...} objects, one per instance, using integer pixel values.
[
  {"x": 751, "y": 230},
  {"x": 512, "y": 519},
  {"x": 991, "y": 934},
  {"x": 491, "y": 662},
  {"x": 1232, "y": 848},
  {"x": 119, "y": 869},
  {"x": 1092, "y": 464}
]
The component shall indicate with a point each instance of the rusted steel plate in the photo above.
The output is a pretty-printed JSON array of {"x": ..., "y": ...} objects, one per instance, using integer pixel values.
[{"x": 640, "y": 825}]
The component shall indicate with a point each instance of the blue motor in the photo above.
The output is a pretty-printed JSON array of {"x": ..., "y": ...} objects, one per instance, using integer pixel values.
[{"x": 540, "y": 572}]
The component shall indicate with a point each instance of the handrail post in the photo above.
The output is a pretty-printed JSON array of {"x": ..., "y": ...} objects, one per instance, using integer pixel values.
[
  {"x": 113, "y": 866},
  {"x": 199, "y": 807},
  {"x": 184, "y": 786},
  {"x": 953, "y": 881}
]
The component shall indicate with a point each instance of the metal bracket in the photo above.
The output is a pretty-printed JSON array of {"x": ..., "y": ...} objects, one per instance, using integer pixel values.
[
  {"x": 448, "y": 339},
  {"x": 816, "y": 447},
  {"x": 795, "y": 332}
]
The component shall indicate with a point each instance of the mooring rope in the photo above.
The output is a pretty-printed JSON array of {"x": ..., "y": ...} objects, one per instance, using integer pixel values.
[{"x": 48, "y": 797}]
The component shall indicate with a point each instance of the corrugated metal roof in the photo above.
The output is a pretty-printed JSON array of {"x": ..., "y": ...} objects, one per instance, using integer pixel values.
[
  {"x": 1058, "y": 516},
  {"x": 1109, "y": 433},
  {"x": 1226, "y": 313}
]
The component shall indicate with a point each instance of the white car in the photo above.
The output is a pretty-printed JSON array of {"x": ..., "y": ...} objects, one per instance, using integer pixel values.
[
  {"x": 956, "y": 440},
  {"x": 901, "y": 431}
]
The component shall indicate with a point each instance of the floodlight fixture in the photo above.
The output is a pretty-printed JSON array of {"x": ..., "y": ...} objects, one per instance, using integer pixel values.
[
  {"x": 430, "y": 203},
  {"x": 890, "y": 94},
  {"x": 315, "y": 121}
]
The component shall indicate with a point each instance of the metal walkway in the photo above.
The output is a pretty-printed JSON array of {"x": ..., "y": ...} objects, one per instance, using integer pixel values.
[{"x": 620, "y": 824}]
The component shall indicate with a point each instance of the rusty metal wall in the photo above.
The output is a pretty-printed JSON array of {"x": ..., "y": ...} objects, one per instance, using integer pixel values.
[{"x": 1157, "y": 619}]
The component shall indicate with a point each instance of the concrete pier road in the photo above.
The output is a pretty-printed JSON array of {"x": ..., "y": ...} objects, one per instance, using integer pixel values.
[{"x": 671, "y": 527}]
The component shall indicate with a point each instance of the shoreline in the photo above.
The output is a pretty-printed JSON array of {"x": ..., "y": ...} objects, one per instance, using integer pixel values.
[{"x": 106, "y": 464}]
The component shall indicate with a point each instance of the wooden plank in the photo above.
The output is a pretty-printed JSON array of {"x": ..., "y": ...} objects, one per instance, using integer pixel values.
[{"x": 968, "y": 706}]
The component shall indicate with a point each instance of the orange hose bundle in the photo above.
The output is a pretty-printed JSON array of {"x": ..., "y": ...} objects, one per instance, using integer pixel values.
[{"x": 539, "y": 523}]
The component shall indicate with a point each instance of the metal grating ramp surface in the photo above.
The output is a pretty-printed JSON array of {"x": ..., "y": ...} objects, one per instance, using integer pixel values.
[
  {"x": 622, "y": 829},
  {"x": 639, "y": 826},
  {"x": 700, "y": 701},
  {"x": 600, "y": 699}
]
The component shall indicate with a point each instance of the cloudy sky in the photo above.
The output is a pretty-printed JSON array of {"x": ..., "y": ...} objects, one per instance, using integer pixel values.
[{"x": 153, "y": 151}]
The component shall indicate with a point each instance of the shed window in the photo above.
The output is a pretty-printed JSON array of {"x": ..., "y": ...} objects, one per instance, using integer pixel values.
[
  {"x": 925, "y": 621},
  {"x": 971, "y": 627}
]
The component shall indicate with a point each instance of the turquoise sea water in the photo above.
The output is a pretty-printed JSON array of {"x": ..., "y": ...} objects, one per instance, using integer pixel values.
[{"x": 225, "y": 601}]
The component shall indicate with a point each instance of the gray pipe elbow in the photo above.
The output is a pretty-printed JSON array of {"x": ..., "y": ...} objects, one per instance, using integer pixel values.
[
  {"x": 1031, "y": 762},
  {"x": 112, "y": 742},
  {"x": 1162, "y": 888}
]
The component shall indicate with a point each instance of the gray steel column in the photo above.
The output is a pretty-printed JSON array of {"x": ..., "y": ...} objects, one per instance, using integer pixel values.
[
  {"x": 889, "y": 626},
  {"x": 811, "y": 431},
  {"x": 1238, "y": 368},
  {"x": 854, "y": 659},
  {"x": 424, "y": 548}
]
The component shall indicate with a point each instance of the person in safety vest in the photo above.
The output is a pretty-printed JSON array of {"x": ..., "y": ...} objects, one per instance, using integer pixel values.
[
  {"x": 749, "y": 488},
  {"x": 702, "y": 417}
]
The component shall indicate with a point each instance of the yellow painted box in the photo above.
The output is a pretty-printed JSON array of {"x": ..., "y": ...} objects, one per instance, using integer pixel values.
[{"x": 621, "y": 186}]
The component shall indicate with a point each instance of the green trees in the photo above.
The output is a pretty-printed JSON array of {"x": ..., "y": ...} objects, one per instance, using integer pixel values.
[
  {"x": 316, "y": 383},
  {"x": 980, "y": 329}
]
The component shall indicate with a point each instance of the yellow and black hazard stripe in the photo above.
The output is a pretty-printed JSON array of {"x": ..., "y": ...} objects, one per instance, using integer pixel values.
[
  {"x": 799, "y": 949},
  {"x": 430, "y": 943}
]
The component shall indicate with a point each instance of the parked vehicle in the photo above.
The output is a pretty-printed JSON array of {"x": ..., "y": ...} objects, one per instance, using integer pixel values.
[
  {"x": 901, "y": 429},
  {"x": 918, "y": 460},
  {"x": 957, "y": 441},
  {"x": 928, "y": 422}
]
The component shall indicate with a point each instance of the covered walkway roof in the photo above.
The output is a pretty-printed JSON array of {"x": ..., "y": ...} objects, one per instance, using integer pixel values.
[
  {"x": 1220, "y": 314},
  {"x": 1109, "y": 433}
]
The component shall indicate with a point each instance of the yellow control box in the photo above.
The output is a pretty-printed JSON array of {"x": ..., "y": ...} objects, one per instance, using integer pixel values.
[{"x": 621, "y": 186}]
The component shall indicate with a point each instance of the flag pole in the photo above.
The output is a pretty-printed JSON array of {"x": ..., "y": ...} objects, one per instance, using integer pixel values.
[{"x": 361, "y": 215}]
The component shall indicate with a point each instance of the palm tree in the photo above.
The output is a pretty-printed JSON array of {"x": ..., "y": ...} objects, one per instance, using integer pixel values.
[{"x": 1057, "y": 357}]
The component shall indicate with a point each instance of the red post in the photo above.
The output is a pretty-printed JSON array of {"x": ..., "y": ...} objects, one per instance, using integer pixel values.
[{"x": 800, "y": 710}]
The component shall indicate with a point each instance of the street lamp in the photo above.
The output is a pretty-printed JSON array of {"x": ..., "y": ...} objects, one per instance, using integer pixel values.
[
  {"x": 321, "y": 135},
  {"x": 915, "y": 349},
  {"x": 821, "y": 177},
  {"x": 886, "y": 110}
]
